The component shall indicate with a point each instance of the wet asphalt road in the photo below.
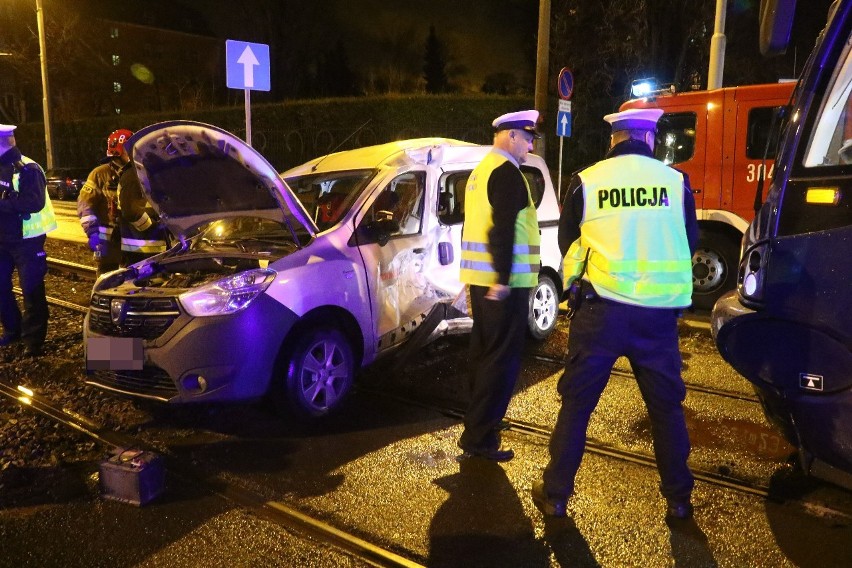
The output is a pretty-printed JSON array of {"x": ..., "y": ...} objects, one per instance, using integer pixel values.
[{"x": 384, "y": 470}]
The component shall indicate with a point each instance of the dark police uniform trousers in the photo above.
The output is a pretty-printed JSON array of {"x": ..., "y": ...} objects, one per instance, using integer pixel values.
[
  {"x": 496, "y": 348},
  {"x": 31, "y": 261},
  {"x": 601, "y": 331}
]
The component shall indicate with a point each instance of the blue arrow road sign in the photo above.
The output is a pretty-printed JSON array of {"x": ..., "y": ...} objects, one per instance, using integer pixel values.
[
  {"x": 563, "y": 123},
  {"x": 247, "y": 65}
]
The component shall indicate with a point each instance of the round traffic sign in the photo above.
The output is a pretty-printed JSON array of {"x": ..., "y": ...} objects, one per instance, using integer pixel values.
[{"x": 565, "y": 85}]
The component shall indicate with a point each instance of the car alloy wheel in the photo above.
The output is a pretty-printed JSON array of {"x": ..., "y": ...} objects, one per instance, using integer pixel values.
[
  {"x": 320, "y": 372},
  {"x": 544, "y": 307}
]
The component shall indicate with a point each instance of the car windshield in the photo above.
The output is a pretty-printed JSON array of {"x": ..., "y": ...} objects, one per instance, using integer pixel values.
[
  {"x": 328, "y": 196},
  {"x": 251, "y": 235}
]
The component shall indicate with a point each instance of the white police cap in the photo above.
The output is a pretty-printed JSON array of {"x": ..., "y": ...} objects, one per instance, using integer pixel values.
[
  {"x": 634, "y": 118},
  {"x": 7, "y": 129},
  {"x": 521, "y": 120}
]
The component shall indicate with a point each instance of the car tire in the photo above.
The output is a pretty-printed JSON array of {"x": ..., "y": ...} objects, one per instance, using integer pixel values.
[
  {"x": 543, "y": 308},
  {"x": 317, "y": 372},
  {"x": 714, "y": 268}
]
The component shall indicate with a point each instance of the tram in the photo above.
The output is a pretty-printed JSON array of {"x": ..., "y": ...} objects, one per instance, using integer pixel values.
[{"x": 788, "y": 326}]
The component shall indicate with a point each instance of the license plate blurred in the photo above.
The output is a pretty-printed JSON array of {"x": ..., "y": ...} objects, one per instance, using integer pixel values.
[{"x": 114, "y": 354}]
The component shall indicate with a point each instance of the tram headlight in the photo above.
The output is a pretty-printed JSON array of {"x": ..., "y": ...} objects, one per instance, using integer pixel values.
[{"x": 751, "y": 277}]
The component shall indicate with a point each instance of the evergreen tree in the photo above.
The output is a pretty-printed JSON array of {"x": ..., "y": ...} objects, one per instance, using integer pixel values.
[{"x": 435, "y": 64}]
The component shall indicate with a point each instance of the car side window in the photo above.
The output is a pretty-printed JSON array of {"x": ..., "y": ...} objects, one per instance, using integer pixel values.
[
  {"x": 451, "y": 195},
  {"x": 535, "y": 179},
  {"x": 398, "y": 210},
  {"x": 451, "y": 198}
]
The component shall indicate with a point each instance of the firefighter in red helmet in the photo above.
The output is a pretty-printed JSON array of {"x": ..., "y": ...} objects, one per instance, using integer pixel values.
[{"x": 97, "y": 204}]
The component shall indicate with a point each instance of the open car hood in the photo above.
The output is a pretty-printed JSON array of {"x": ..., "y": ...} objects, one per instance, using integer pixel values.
[{"x": 193, "y": 173}]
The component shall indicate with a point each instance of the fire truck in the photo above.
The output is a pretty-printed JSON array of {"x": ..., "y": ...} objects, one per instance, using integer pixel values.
[{"x": 725, "y": 140}]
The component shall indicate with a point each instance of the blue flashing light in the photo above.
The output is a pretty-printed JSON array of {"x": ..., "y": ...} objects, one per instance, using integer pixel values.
[{"x": 642, "y": 88}]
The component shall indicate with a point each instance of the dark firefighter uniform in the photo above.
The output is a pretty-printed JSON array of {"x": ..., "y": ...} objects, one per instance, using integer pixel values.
[
  {"x": 142, "y": 235},
  {"x": 26, "y": 215},
  {"x": 97, "y": 204},
  {"x": 629, "y": 229},
  {"x": 500, "y": 245},
  {"x": 97, "y": 207}
]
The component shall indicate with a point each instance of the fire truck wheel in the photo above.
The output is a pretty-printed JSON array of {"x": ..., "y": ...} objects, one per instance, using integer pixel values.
[
  {"x": 318, "y": 370},
  {"x": 714, "y": 268},
  {"x": 544, "y": 307}
]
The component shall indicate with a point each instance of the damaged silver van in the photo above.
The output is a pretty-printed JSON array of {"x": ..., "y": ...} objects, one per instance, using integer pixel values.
[{"x": 284, "y": 285}]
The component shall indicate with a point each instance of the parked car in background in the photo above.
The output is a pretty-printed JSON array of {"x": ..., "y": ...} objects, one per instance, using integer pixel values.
[
  {"x": 286, "y": 285},
  {"x": 66, "y": 183}
]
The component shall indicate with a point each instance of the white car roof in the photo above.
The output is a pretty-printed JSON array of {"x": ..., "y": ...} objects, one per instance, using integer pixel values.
[{"x": 398, "y": 153}]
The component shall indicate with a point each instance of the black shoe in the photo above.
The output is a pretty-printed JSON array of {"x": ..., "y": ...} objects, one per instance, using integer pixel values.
[
  {"x": 34, "y": 350},
  {"x": 497, "y": 454},
  {"x": 9, "y": 338},
  {"x": 679, "y": 509},
  {"x": 545, "y": 503}
]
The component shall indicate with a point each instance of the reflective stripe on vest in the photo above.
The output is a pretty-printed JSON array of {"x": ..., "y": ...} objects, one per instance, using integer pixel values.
[
  {"x": 42, "y": 222},
  {"x": 633, "y": 225},
  {"x": 477, "y": 264},
  {"x": 573, "y": 264}
]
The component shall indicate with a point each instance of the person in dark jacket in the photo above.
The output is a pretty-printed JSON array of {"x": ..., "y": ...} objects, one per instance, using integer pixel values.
[
  {"x": 142, "y": 234},
  {"x": 26, "y": 215},
  {"x": 628, "y": 230},
  {"x": 500, "y": 261},
  {"x": 97, "y": 204}
]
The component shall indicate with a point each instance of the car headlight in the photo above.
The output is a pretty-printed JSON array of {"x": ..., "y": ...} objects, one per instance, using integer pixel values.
[{"x": 228, "y": 295}]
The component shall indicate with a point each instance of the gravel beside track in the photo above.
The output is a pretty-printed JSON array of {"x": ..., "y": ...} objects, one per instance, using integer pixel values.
[{"x": 37, "y": 455}]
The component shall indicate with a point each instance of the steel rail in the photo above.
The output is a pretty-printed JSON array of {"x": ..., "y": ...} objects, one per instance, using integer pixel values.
[
  {"x": 602, "y": 449},
  {"x": 57, "y": 302},
  {"x": 69, "y": 267},
  {"x": 689, "y": 385},
  {"x": 273, "y": 511}
]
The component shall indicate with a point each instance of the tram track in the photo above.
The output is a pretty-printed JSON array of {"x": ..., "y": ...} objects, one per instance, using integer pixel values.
[
  {"x": 543, "y": 434},
  {"x": 280, "y": 513},
  {"x": 530, "y": 430},
  {"x": 277, "y": 512},
  {"x": 690, "y": 386}
]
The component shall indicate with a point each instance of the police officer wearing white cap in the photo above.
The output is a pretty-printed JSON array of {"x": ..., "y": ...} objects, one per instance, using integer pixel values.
[
  {"x": 628, "y": 230},
  {"x": 26, "y": 215},
  {"x": 500, "y": 264}
]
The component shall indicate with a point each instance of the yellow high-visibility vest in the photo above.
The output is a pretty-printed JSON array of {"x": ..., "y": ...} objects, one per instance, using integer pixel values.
[
  {"x": 44, "y": 221},
  {"x": 477, "y": 264},
  {"x": 634, "y": 230}
]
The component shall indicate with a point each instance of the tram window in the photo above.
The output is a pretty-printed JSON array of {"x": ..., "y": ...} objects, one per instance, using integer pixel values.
[
  {"x": 831, "y": 140},
  {"x": 675, "y": 137},
  {"x": 760, "y": 120}
]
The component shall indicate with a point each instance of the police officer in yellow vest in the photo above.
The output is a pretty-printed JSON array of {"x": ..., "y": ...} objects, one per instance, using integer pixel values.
[
  {"x": 629, "y": 228},
  {"x": 500, "y": 262},
  {"x": 26, "y": 216}
]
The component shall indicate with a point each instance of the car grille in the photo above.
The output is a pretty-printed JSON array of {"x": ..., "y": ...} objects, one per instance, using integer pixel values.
[
  {"x": 152, "y": 382},
  {"x": 143, "y": 317}
]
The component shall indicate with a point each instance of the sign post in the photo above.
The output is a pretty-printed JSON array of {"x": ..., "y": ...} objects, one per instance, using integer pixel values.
[
  {"x": 565, "y": 87},
  {"x": 247, "y": 68}
]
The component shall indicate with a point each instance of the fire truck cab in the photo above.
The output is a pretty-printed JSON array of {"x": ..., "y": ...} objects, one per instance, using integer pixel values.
[{"x": 720, "y": 138}]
